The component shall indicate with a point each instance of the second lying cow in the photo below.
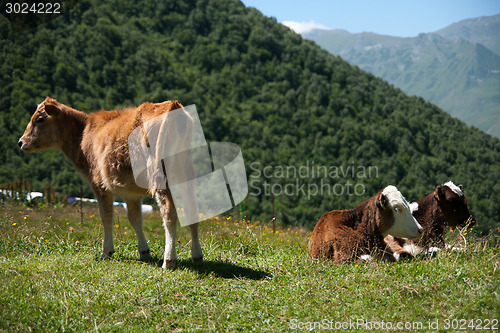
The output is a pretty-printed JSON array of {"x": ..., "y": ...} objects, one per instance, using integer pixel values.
[{"x": 344, "y": 235}]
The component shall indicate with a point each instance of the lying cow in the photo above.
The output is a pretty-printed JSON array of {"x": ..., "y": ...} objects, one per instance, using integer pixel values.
[
  {"x": 344, "y": 235},
  {"x": 97, "y": 145},
  {"x": 445, "y": 207}
]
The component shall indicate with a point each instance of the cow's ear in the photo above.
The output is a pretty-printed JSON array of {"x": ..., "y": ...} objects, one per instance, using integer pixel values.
[
  {"x": 52, "y": 108},
  {"x": 382, "y": 201},
  {"x": 461, "y": 188},
  {"x": 175, "y": 105},
  {"x": 439, "y": 193}
]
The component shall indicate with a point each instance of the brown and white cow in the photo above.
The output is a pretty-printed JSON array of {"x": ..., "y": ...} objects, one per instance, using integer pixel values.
[
  {"x": 344, "y": 235},
  {"x": 445, "y": 207},
  {"x": 96, "y": 144}
]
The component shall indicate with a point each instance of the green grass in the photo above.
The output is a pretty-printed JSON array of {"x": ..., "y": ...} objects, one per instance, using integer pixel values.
[{"x": 252, "y": 280}]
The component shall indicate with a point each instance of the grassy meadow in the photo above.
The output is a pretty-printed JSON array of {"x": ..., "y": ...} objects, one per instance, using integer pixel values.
[{"x": 253, "y": 279}]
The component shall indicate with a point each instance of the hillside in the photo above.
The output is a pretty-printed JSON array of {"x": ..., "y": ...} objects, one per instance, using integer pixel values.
[
  {"x": 456, "y": 73},
  {"x": 315, "y": 132}
]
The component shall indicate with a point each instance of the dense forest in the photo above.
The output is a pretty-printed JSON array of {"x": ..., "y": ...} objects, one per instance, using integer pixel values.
[{"x": 316, "y": 133}]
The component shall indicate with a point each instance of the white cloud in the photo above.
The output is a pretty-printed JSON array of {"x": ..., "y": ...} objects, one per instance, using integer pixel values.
[{"x": 304, "y": 27}]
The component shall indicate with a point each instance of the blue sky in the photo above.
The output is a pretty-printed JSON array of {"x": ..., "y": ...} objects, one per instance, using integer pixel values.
[{"x": 388, "y": 17}]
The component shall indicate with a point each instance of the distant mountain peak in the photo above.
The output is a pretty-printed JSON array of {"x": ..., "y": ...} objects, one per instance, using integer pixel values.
[{"x": 483, "y": 30}]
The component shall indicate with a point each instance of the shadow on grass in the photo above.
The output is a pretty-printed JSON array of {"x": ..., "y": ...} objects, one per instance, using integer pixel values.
[{"x": 221, "y": 269}]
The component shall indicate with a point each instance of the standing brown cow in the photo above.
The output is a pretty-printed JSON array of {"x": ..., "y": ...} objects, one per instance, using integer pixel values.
[{"x": 96, "y": 144}]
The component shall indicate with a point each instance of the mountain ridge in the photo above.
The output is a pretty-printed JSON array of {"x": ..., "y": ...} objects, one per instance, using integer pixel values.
[
  {"x": 475, "y": 30},
  {"x": 461, "y": 77}
]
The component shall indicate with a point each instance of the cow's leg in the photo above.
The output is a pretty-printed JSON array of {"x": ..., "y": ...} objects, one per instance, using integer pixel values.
[
  {"x": 387, "y": 255},
  {"x": 169, "y": 215},
  {"x": 105, "y": 200},
  {"x": 393, "y": 245},
  {"x": 403, "y": 255},
  {"x": 170, "y": 224},
  {"x": 184, "y": 172},
  {"x": 135, "y": 217},
  {"x": 196, "y": 252},
  {"x": 340, "y": 254}
]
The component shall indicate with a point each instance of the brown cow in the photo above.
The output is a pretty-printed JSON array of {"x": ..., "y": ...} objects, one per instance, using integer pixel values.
[
  {"x": 344, "y": 235},
  {"x": 96, "y": 144},
  {"x": 445, "y": 207}
]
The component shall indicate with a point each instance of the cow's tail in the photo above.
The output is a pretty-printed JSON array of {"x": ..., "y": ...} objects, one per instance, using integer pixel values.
[{"x": 171, "y": 151}]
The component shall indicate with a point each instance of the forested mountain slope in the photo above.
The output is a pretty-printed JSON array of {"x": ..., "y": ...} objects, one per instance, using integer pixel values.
[{"x": 302, "y": 117}]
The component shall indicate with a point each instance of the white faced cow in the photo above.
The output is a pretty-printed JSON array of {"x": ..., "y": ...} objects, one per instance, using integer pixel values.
[
  {"x": 96, "y": 144},
  {"x": 358, "y": 233}
]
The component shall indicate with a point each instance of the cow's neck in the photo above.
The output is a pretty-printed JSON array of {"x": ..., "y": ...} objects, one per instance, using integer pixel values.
[
  {"x": 426, "y": 209},
  {"x": 364, "y": 217},
  {"x": 72, "y": 133}
]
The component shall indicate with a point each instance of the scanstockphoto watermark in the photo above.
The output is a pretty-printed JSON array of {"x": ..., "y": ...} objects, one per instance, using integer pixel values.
[
  {"x": 309, "y": 179},
  {"x": 362, "y": 324},
  {"x": 356, "y": 324}
]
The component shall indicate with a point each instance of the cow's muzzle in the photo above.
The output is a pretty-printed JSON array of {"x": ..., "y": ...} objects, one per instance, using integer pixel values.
[{"x": 23, "y": 145}]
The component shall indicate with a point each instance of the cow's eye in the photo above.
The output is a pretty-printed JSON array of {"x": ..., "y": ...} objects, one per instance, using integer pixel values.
[
  {"x": 397, "y": 210},
  {"x": 39, "y": 119}
]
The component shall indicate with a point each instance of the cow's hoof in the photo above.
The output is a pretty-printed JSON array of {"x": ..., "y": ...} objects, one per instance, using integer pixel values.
[
  {"x": 403, "y": 256},
  {"x": 146, "y": 255},
  {"x": 366, "y": 257},
  {"x": 169, "y": 264},
  {"x": 197, "y": 261},
  {"x": 108, "y": 255},
  {"x": 433, "y": 250}
]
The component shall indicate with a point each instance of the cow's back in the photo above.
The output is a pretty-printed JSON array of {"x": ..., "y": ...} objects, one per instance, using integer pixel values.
[
  {"x": 105, "y": 144},
  {"x": 330, "y": 227}
]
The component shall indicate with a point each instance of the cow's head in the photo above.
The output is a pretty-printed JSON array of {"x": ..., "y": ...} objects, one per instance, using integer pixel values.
[
  {"x": 42, "y": 130},
  {"x": 453, "y": 205},
  {"x": 396, "y": 217}
]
